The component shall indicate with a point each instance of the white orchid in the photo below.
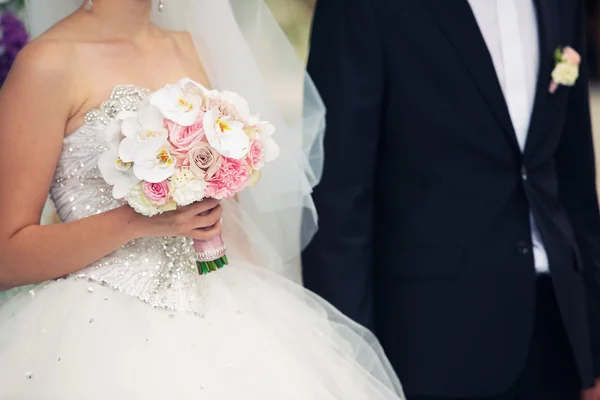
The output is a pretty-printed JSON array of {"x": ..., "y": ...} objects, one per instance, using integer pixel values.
[
  {"x": 153, "y": 161},
  {"x": 138, "y": 127},
  {"x": 227, "y": 136},
  {"x": 263, "y": 131},
  {"x": 112, "y": 133},
  {"x": 181, "y": 102},
  {"x": 192, "y": 87},
  {"x": 117, "y": 173}
]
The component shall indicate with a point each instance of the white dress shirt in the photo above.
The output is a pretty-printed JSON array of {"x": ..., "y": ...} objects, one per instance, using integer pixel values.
[{"x": 510, "y": 30}]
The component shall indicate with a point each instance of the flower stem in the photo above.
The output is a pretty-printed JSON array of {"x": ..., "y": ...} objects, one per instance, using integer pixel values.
[{"x": 206, "y": 267}]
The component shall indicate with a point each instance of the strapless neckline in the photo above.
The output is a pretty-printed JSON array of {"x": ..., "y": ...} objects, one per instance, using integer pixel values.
[
  {"x": 153, "y": 269},
  {"x": 124, "y": 97}
]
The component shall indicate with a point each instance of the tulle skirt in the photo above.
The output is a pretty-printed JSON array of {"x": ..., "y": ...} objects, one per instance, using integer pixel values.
[{"x": 259, "y": 337}]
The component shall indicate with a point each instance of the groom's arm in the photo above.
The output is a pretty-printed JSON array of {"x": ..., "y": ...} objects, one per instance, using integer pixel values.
[
  {"x": 347, "y": 67},
  {"x": 575, "y": 163}
]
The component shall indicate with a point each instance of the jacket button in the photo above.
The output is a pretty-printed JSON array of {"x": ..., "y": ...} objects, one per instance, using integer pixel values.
[
  {"x": 522, "y": 248},
  {"x": 524, "y": 173}
]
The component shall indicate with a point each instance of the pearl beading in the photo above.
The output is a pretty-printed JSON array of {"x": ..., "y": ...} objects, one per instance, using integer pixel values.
[{"x": 211, "y": 255}]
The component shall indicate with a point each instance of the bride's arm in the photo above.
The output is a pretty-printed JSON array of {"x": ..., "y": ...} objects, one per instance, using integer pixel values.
[{"x": 35, "y": 103}]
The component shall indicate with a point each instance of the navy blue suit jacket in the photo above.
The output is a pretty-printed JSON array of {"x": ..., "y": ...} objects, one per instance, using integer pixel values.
[{"x": 424, "y": 204}]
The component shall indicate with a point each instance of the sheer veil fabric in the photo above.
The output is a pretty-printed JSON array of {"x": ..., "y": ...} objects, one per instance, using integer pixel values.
[
  {"x": 243, "y": 49},
  {"x": 246, "y": 331}
]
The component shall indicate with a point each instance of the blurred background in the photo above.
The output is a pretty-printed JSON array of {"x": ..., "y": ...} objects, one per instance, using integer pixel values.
[{"x": 295, "y": 17}]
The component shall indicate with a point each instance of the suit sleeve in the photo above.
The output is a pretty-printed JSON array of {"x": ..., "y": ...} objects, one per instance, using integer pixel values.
[
  {"x": 575, "y": 162},
  {"x": 347, "y": 67}
]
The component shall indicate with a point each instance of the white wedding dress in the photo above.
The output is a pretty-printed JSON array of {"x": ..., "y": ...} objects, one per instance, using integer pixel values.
[{"x": 142, "y": 324}]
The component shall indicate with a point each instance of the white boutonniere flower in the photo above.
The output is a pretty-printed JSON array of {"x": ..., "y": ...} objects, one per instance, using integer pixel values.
[{"x": 566, "y": 71}]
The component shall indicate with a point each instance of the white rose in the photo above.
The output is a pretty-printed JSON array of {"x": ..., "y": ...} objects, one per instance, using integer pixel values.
[
  {"x": 565, "y": 74},
  {"x": 187, "y": 189}
]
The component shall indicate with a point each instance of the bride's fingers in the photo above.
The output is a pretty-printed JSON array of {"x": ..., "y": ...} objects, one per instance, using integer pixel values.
[
  {"x": 208, "y": 232},
  {"x": 202, "y": 207},
  {"x": 208, "y": 220}
]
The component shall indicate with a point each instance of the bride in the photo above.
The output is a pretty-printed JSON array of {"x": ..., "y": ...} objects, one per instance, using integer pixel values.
[{"x": 116, "y": 310}]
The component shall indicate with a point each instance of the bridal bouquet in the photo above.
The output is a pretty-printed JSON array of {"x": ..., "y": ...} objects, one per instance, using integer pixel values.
[{"x": 186, "y": 143}]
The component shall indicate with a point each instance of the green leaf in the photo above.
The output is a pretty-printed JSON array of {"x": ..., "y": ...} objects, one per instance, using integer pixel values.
[{"x": 558, "y": 54}]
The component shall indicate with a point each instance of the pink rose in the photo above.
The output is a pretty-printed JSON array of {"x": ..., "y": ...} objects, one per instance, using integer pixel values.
[
  {"x": 256, "y": 155},
  {"x": 157, "y": 193},
  {"x": 204, "y": 161},
  {"x": 571, "y": 56},
  {"x": 232, "y": 176},
  {"x": 183, "y": 138}
]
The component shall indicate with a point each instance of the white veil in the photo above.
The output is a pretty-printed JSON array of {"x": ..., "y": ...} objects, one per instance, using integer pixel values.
[{"x": 244, "y": 50}]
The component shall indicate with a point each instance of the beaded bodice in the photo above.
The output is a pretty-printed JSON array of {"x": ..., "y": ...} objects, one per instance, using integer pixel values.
[{"x": 158, "y": 270}]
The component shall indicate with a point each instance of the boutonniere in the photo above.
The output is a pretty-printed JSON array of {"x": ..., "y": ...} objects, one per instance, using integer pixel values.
[{"x": 566, "y": 71}]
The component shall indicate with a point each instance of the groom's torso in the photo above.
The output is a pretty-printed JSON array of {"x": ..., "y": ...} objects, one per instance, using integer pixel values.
[
  {"x": 511, "y": 32},
  {"x": 458, "y": 184}
]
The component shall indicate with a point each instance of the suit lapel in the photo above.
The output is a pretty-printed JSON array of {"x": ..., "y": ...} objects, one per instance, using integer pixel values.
[
  {"x": 549, "y": 28},
  {"x": 548, "y": 20},
  {"x": 457, "y": 21}
]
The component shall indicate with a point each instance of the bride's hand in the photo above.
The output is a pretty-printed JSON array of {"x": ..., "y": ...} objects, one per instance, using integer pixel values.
[{"x": 200, "y": 221}]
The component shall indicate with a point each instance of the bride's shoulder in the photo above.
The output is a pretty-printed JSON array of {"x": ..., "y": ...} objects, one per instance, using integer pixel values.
[
  {"x": 44, "y": 58},
  {"x": 181, "y": 37},
  {"x": 42, "y": 78},
  {"x": 50, "y": 53},
  {"x": 52, "y": 61},
  {"x": 184, "y": 42},
  {"x": 43, "y": 67}
]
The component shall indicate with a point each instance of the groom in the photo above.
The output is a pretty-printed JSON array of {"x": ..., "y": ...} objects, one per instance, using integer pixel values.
[{"x": 459, "y": 217}]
